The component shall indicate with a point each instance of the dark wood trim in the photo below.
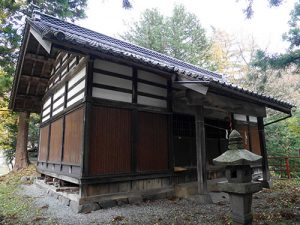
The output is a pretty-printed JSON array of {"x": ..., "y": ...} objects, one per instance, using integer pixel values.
[
  {"x": 110, "y": 178},
  {"x": 134, "y": 85},
  {"x": 126, "y": 105},
  {"x": 34, "y": 77},
  {"x": 169, "y": 96},
  {"x": 87, "y": 120},
  {"x": 152, "y": 95},
  {"x": 112, "y": 88},
  {"x": 48, "y": 144},
  {"x": 249, "y": 134},
  {"x": 113, "y": 74},
  {"x": 232, "y": 120},
  {"x": 116, "y": 59},
  {"x": 62, "y": 113},
  {"x": 263, "y": 149},
  {"x": 62, "y": 142}
]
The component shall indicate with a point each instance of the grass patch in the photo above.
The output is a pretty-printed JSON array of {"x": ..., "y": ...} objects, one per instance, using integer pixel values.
[{"x": 14, "y": 208}]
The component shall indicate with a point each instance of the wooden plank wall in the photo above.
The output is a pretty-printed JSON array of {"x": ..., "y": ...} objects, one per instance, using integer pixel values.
[
  {"x": 152, "y": 147},
  {"x": 56, "y": 140},
  {"x": 255, "y": 138},
  {"x": 248, "y": 128},
  {"x": 73, "y": 141},
  {"x": 44, "y": 137},
  {"x": 110, "y": 141}
]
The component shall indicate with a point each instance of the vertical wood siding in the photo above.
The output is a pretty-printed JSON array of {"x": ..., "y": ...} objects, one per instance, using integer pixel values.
[
  {"x": 255, "y": 142},
  {"x": 56, "y": 140},
  {"x": 152, "y": 146},
  {"x": 110, "y": 141},
  {"x": 73, "y": 136},
  {"x": 43, "y": 149}
]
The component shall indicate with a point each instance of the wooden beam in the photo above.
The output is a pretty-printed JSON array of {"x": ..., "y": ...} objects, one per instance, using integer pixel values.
[
  {"x": 226, "y": 103},
  {"x": 39, "y": 58},
  {"x": 201, "y": 150},
  {"x": 34, "y": 77},
  {"x": 264, "y": 154}
]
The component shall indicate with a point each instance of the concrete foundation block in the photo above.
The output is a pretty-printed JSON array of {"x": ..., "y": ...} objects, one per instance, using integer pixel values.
[
  {"x": 86, "y": 208},
  {"x": 122, "y": 201},
  {"x": 135, "y": 200},
  {"x": 65, "y": 201},
  {"x": 74, "y": 206},
  {"x": 107, "y": 204}
]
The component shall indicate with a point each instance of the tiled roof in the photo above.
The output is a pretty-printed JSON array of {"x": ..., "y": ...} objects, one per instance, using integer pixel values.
[{"x": 52, "y": 28}]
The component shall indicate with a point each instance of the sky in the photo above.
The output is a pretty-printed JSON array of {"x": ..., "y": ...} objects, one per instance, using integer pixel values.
[{"x": 266, "y": 27}]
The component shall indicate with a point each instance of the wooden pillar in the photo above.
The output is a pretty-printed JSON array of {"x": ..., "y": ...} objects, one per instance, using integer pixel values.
[
  {"x": 264, "y": 154},
  {"x": 21, "y": 158},
  {"x": 201, "y": 150}
]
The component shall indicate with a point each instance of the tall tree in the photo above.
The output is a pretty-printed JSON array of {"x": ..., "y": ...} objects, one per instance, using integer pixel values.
[
  {"x": 12, "y": 18},
  {"x": 179, "y": 35}
]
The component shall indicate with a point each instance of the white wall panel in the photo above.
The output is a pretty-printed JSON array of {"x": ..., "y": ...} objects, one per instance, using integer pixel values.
[
  {"x": 151, "y": 101},
  {"x": 77, "y": 77},
  {"x": 45, "y": 118},
  {"x": 45, "y": 112},
  {"x": 76, "y": 89},
  {"x": 47, "y": 103},
  {"x": 111, "y": 95},
  {"x": 113, "y": 67},
  {"x": 58, "y": 102},
  {"x": 76, "y": 99},
  {"x": 152, "y": 89},
  {"x": 253, "y": 119},
  {"x": 99, "y": 78},
  {"x": 145, "y": 75},
  {"x": 59, "y": 93},
  {"x": 58, "y": 110},
  {"x": 72, "y": 62},
  {"x": 240, "y": 117}
]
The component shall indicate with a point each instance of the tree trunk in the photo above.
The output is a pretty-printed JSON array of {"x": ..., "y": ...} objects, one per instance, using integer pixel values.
[{"x": 21, "y": 159}]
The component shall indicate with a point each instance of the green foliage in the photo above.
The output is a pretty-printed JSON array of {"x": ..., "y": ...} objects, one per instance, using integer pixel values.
[
  {"x": 291, "y": 58},
  {"x": 179, "y": 35},
  {"x": 282, "y": 138},
  {"x": 12, "y": 19}
]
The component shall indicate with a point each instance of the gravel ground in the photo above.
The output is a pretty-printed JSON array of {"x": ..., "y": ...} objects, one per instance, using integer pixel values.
[
  {"x": 162, "y": 212},
  {"x": 280, "y": 205}
]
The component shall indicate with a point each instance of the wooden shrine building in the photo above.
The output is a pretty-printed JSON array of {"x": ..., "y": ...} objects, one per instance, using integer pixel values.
[{"x": 121, "y": 120}]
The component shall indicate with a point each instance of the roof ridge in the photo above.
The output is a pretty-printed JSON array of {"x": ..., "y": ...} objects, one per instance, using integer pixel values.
[{"x": 167, "y": 59}]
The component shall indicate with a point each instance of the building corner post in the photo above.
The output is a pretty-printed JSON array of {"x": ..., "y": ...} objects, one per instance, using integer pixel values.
[
  {"x": 267, "y": 183},
  {"x": 201, "y": 155}
]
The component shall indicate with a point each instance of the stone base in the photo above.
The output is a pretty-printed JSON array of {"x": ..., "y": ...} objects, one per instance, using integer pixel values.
[
  {"x": 87, "y": 204},
  {"x": 241, "y": 209},
  {"x": 240, "y": 188}
]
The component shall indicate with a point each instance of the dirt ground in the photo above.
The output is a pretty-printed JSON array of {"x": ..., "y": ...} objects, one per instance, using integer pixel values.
[{"x": 280, "y": 205}]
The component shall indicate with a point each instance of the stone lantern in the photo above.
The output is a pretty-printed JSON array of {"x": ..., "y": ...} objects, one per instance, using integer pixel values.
[{"x": 237, "y": 162}]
